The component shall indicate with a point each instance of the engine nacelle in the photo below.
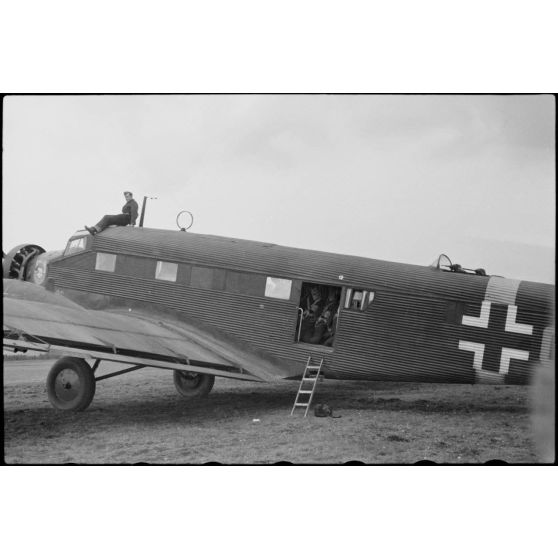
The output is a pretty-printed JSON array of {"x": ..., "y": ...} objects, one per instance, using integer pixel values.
[
  {"x": 17, "y": 261},
  {"x": 27, "y": 262}
]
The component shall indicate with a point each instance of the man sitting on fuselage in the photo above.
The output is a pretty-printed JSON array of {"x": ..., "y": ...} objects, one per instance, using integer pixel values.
[{"x": 127, "y": 217}]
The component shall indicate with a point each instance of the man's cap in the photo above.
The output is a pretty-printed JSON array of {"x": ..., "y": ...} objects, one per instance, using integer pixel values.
[{"x": 128, "y": 192}]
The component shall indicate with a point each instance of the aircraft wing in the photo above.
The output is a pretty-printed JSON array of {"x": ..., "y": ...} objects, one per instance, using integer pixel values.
[{"x": 39, "y": 320}]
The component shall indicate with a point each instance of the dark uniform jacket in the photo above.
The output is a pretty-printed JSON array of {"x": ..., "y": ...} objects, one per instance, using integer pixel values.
[{"x": 131, "y": 209}]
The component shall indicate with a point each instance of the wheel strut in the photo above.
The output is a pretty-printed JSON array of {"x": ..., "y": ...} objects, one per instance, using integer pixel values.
[{"x": 112, "y": 374}]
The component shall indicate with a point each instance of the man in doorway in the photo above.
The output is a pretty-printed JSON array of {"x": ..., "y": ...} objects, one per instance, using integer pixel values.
[
  {"x": 128, "y": 216},
  {"x": 312, "y": 305}
]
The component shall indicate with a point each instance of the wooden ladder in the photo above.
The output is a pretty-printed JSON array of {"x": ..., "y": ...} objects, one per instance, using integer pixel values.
[{"x": 307, "y": 385}]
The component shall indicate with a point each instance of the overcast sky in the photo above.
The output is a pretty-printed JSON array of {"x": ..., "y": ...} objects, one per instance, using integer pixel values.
[{"x": 400, "y": 178}]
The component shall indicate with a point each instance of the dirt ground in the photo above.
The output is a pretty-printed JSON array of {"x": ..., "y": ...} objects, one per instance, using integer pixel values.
[{"x": 140, "y": 418}]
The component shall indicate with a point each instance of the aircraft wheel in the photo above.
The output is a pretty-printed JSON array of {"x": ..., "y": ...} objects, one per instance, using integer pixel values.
[
  {"x": 70, "y": 384},
  {"x": 193, "y": 384}
]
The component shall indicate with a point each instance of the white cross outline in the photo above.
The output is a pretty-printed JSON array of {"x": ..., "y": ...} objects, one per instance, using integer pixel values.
[
  {"x": 511, "y": 326},
  {"x": 477, "y": 348},
  {"x": 511, "y": 316},
  {"x": 482, "y": 320},
  {"x": 507, "y": 355}
]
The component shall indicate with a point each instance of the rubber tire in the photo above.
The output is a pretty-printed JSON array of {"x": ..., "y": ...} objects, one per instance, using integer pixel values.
[
  {"x": 198, "y": 387},
  {"x": 85, "y": 384}
]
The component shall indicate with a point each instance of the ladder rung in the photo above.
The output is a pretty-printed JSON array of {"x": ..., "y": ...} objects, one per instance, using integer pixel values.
[
  {"x": 309, "y": 378},
  {"x": 301, "y": 404},
  {"x": 305, "y": 391},
  {"x": 313, "y": 367}
]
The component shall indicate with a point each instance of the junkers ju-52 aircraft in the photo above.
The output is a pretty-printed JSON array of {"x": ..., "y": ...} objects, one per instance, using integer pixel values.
[{"x": 205, "y": 306}]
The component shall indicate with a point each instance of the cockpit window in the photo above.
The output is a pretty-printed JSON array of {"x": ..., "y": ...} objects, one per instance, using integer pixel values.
[{"x": 76, "y": 245}]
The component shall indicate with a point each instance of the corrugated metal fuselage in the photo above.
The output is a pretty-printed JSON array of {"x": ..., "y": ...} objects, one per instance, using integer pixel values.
[{"x": 423, "y": 324}]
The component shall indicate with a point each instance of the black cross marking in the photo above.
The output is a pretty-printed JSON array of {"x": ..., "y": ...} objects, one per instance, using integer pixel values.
[{"x": 495, "y": 337}]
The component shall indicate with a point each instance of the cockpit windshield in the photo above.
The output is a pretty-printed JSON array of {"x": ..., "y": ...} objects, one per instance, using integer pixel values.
[
  {"x": 442, "y": 261},
  {"x": 76, "y": 244}
]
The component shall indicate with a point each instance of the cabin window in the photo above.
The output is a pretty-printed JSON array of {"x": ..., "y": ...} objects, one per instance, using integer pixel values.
[
  {"x": 132, "y": 266},
  {"x": 245, "y": 283},
  {"x": 207, "y": 278},
  {"x": 202, "y": 277},
  {"x": 105, "y": 262},
  {"x": 358, "y": 299},
  {"x": 75, "y": 245},
  {"x": 166, "y": 271},
  {"x": 184, "y": 274},
  {"x": 278, "y": 288},
  {"x": 218, "y": 280}
]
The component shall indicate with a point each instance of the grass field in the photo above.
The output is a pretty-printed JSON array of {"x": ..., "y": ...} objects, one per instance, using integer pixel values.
[{"x": 139, "y": 417}]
